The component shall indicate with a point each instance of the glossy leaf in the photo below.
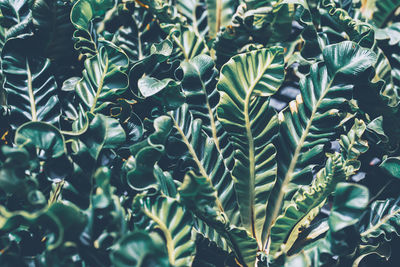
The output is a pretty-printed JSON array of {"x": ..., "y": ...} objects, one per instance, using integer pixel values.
[
  {"x": 312, "y": 120},
  {"x": 172, "y": 220},
  {"x": 103, "y": 78},
  {"x": 29, "y": 83},
  {"x": 140, "y": 249},
  {"x": 82, "y": 14},
  {"x": 245, "y": 82}
]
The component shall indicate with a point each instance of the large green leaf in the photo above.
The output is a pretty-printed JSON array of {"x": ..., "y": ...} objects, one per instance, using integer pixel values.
[
  {"x": 103, "y": 79},
  {"x": 308, "y": 200},
  {"x": 53, "y": 27},
  {"x": 198, "y": 195},
  {"x": 199, "y": 79},
  {"x": 170, "y": 218},
  {"x": 196, "y": 14},
  {"x": 14, "y": 13},
  {"x": 191, "y": 149},
  {"x": 311, "y": 121},
  {"x": 349, "y": 203},
  {"x": 31, "y": 88},
  {"x": 245, "y": 83}
]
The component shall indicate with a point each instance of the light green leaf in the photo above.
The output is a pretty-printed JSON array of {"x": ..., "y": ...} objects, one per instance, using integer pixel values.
[
  {"x": 169, "y": 217},
  {"x": 245, "y": 83}
]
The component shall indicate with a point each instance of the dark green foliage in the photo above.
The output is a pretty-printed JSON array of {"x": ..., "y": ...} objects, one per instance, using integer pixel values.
[{"x": 199, "y": 133}]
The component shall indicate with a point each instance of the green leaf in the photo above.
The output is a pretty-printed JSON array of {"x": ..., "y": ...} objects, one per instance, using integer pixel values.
[
  {"x": 244, "y": 111},
  {"x": 167, "y": 91},
  {"x": 198, "y": 195},
  {"x": 391, "y": 166},
  {"x": 31, "y": 88},
  {"x": 103, "y": 133},
  {"x": 175, "y": 224},
  {"x": 308, "y": 200},
  {"x": 378, "y": 226},
  {"x": 42, "y": 136},
  {"x": 305, "y": 205},
  {"x": 146, "y": 153},
  {"x": 219, "y": 15},
  {"x": 196, "y": 13},
  {"x": 311, "y": 121},
  {"x": 62, "y": 222},
  {"x": 103, "y": 78},
  {"x": 199, "y": 79},
  {"x": 349, "y": 203},
  {"x": 51, "y": 20},
  {"x": 187, "y": 44},
  {"x": 82, "y": 14},
  {"x": 13, "y": 13},
  {"x": 139, "y": 249},
  {"x": 194, "y": 150}
]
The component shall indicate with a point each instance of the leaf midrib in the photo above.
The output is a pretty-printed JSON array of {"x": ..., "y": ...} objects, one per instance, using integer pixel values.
[
  {"x": 210, "y": 112},
  {"x": 30, "y": 92},
  {"x": 380, "y": 223},
  {"x": 218, "y": 16},
  {"x": 167, "y": 234},
  {"x": 100, "y": 87},
  {"x": 249, "y": 136},
  {"x": 295, "y": 157},
  {"x": 196, "y": 159}
]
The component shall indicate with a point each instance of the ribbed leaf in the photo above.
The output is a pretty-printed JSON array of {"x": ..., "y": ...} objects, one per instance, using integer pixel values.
[
  {"x": 381, "y": 220},
  {"x": 307, "y": 201},
  {"x": 13, "y": 13},
  {"x": 103, "y": 78},
  {"x": 199, "y": 85},
  {"x": 169, "y": 217},
  {"x": 245, "y": 83},
  {"x": 312, "y": 120},
  {"x": 52, "y": 22},
  {"x": 31, "y": 88},
  {"x": 187, "y": 44},
  {"x": 199, "y": 196},
  {"x": 305, "y": 205},
  {"x": 195, "y": 12},
  {"x": 191, "y": 149},
  {"x": 139, "y": 31},
  {"x": 349, "y": 203}
]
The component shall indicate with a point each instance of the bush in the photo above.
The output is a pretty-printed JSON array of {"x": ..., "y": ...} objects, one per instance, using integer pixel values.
[{"x": 199, "y": 133}]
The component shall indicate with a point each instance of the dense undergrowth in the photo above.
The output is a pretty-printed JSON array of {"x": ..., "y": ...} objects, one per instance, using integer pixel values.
[{"x": 199, "y": 132}]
